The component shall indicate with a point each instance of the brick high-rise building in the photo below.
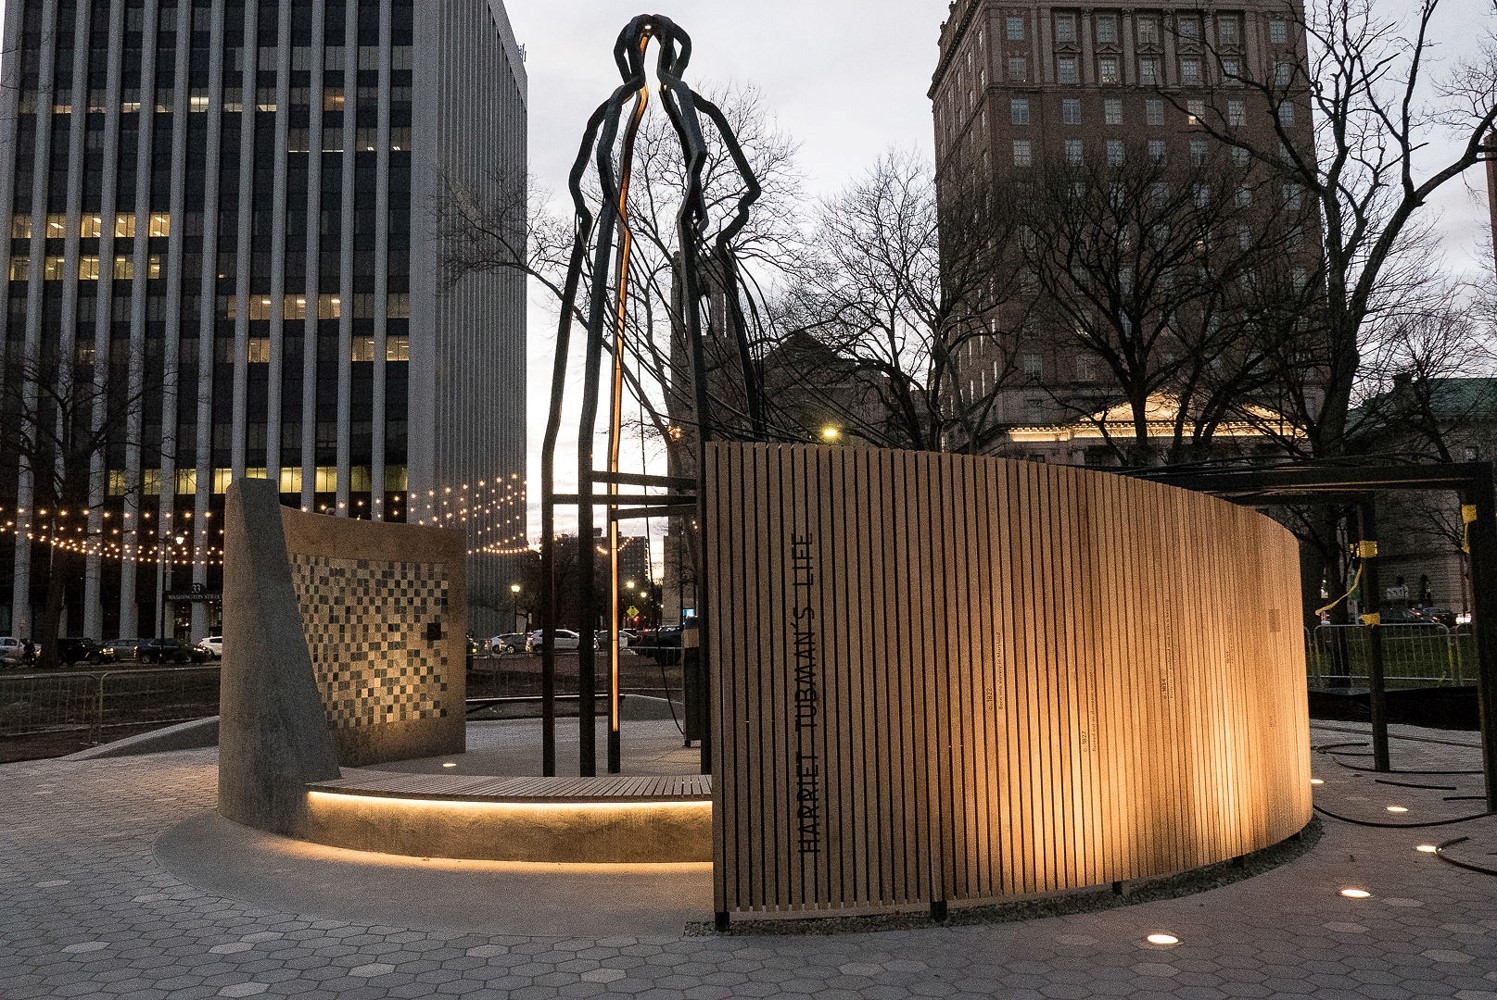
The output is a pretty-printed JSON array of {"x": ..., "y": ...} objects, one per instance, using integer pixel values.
[
  {"x": 1023, "y": 86},
  {"x": 221, "y": 212}
]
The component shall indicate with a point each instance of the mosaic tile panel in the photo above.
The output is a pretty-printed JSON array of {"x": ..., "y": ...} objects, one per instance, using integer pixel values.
[{"x": 365, "y": 622}]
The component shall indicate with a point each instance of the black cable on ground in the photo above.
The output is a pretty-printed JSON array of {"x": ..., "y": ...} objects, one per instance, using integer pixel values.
[
  {"x": 665, "y": 686},
  {"x": 1395, "y": 770},
  {"x": 1406, "y": 784},
  {"x": 1333, "y": 746},
  {"x": 1440, "y": 853},
  {"x": 1465, "y": 798},
  {"x": 1402, "y": 826}
]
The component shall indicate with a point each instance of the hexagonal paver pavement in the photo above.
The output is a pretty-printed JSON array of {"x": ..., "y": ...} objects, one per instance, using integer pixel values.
[{"x": 87, "y": 910}]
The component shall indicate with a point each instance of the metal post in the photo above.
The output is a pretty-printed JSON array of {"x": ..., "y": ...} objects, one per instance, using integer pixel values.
[
  {"x": 1377, "y": 697},
  {"x": 1482, "y": 543}
]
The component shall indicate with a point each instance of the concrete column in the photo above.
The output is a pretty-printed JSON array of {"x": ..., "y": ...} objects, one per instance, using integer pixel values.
[
  {"x": 381, "y": 270},
  {"x": 242, "y": 252},
  {"x": 1130, "y": 61},
  {"x": 1088, "y": 48},
  {"x": 278, "y": 251},
  {"x": 1171, "y": 69},
  {"x": 314, "y": 258},
  {"x": 203, "y": 531},
  {"x": 345, "y": 323},
  {"x": 21, "y": 618},
  {"x": 93, "y": 611},
  {"x": 172, "y": 356},
  {"x": 138, "y": 541}
]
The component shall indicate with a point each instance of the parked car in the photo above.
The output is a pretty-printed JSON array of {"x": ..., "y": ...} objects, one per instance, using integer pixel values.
[
  {"x": 663, "y": 644},
  {"x": 509, "y": 642},
  {"x": 167, "y": 651},
  {"x": 566, "y": 640},
  {"x": 602, "y": 639},
  {"x": 77, "y": 650},
  {"x": 1399, "y": 616},
  {"x": 1437, "y": 616},
  {"x": 117, "y": 651},
  {"x": 12, "y": 651},
  {"x": 212, "y": 646}
]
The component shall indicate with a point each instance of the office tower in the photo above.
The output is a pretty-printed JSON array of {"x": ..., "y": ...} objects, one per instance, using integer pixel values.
[{"x": 224, "y": 238}]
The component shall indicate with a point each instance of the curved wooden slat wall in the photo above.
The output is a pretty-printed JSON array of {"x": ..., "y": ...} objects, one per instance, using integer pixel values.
[{"x": 947, "y": 678}]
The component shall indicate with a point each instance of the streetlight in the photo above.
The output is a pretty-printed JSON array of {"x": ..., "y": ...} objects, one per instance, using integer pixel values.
[
  {"x": 831, "y": 433},
  {"x": 514, "y": 604}
]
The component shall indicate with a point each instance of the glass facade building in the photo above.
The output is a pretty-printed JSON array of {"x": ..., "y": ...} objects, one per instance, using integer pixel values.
[{"x": 224, "y": 261}]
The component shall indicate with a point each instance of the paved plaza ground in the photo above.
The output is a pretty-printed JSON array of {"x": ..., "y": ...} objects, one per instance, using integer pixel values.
[{"x": 104, "y": 892}]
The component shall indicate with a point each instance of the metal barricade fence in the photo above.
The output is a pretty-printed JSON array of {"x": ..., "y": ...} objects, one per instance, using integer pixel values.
[
  {"x": 99, "y": 701},
  {"x": 1414, "y": 656}
]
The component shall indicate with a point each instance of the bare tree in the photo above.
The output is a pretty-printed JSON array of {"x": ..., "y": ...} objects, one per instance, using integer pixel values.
[
  {"x": 1368, "y": 159},
  {"x": 1154, "y": 277},
  {"x": 915, "y": 303},
  {"x": 60, "y": 421}
]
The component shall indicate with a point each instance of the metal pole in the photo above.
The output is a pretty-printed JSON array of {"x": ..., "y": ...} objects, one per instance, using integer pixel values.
[
  {"x": 1482, "y": 543},
  {"x": 1377, "y": 697}
]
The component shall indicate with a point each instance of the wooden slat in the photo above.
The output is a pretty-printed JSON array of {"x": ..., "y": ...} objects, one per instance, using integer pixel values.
[{"x": 1029, "y": 678}]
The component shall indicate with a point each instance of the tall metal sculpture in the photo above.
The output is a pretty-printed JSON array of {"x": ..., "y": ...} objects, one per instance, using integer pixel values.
[{"x": 607, "y": 331}]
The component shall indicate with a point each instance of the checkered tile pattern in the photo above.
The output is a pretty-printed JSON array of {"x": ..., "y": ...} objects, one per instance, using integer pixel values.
[{"x": 365, "y": 622}]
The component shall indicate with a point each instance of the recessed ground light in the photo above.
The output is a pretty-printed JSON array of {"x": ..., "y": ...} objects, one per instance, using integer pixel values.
[
  {"x": 449, "y": 764},
  {"x": 1162, "y": 939},
  {"x": 1317, "y": 781},
  {"x": 1427, "y": 849},
  {"x": 1356, "y": 893},
  {"x": 1398, "y": 809}
]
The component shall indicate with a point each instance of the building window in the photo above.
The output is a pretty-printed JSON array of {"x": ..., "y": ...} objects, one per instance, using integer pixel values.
[
  {"x": 1156, "y": 150},
  {"x": 257, "y": 351},
  {"x": 1112, "y": 111},
  {"x": 1195, "y": 110},
  {"x": 1236, "y": 113},
  {"x": 1018, "y": 111},
  {"x": 1148, "y": 71},
  {"x": 1286, "y": 114},
  {"x": 1188, "y": 29},
  {"x": 124, "y": 225},
  {"x": 1283, "y": 72},
  {"x": 1073, "y": 152},
  {"x": 363, "y": 349},
  {"x": 1023, "y": 154},
  {"x": 88, "y": 269},
  {"x": 161, "y": 224},
  {"x": 398, "y": 348},
  {"x": 20, "y": 269},
  {"x": 1202, "y": 195},
  {"x": 54, "y": 268},
  {"x": 1154, "y": 111},
  {"x": 1107, "y": 29},
  {"x": 1070, "y": 110},
  {"x": 1014, "y": 27},
  {"x": 1240, "y": 156},
  {"x": 1034, "y": 365},
  {"x": 1291, "y": 193},
  {"x": 1018, "y": 68},
  {"x": 1278, "y": 31},
  {"x": 398, "y": 306},
  {"x": 1244, "y": 197},
  {"x": 1065, "y": 69},
  {"x": 124, "y": 269},
  {"x": 20, "y": 227},
  {"x": 1190, "y": 71},
  {"x": 1227, "y": 31},
  {"x": 1148, "y": 30},
  {"x": 1065, "y": 29},
  {"x": 1231, "y": 72},
  {"x": 1115, "y": 152},
  {"x": 91, "y": 227},
  {"x": 1107, "y": 71},
  {"x": 329, "y": 307},
  {"x": 1197, "y": 152},
  {"x": 57, "y": 227}
]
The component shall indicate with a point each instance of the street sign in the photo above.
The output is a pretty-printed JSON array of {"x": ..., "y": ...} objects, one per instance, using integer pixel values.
[{"x": 633, "y": 612}]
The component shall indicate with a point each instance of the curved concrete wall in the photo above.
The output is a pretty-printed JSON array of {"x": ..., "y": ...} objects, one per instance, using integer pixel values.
[
  {"x": 942, "y": 679},
  {"x": 344, "y": 643}
]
